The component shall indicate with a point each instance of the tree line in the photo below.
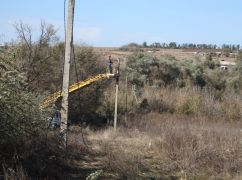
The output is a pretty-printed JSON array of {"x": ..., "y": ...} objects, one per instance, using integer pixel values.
[{"x": 175, "y": 45}]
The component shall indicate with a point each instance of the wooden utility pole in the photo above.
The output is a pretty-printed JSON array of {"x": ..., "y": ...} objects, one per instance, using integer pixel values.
[
  {"x": 66, "y": 73},
  {"x": 116, "y": 98}
]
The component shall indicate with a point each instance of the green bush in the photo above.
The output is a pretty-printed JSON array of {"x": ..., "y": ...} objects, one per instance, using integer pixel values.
[
  {"x": 23, "y": 126},
  {"x": 142, "y": 69},
  {"x": 19, "y": 110}
]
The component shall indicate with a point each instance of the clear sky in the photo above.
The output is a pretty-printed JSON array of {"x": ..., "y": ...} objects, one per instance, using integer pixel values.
[{"x": 118, "y": 22}]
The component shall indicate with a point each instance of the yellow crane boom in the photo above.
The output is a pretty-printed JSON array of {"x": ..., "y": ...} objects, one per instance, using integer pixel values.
[{"x": 53, "y": 97}]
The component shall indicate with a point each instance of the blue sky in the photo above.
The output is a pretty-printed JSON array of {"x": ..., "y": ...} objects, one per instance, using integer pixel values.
[{"x": 117, "y": 22}]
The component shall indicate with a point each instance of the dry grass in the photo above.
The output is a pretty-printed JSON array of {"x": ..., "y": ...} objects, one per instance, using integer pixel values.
[
  {"x": 194, "y": 101},
  {"x": 164, "y": 145},
  {"x": 152, "y": 146},
  {"x": 179, "y": 54},
  {"x": 15, "y": 174},
  {"x": 188, "y": 100},
  {"x": 77, "y": 142}
]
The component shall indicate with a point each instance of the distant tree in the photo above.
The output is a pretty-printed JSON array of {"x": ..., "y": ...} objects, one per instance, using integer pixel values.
[
  {"x": 164, "y": 45},
  {"x": 133, "y": 45},
  {"x": 173, "y": 45},
  {"x": 156, "y": 45},
  {"x": 238, "y": 47},
  {"x": 145, "y": 44}
]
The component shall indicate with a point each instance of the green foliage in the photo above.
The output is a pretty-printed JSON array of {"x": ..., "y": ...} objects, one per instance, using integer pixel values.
[
  {"x": 139, "y": 68},
  {"x": 23, "y": 129},
  {"x": 164, "y": 71},
  {"x": 19, "y": 111},
  {"x": 151, "y": 75},
  {"x": 210, "y": 63},
  {"x": 216, "y": 79},
  {"x": 167, "y": 71},
  {"x": 233, "y": 78},
  {"x": 145, "y": 44},
  {"x": 227, "y": 51},
  {"x": 42, "y": 62},
  {"x": 7, "y": 60}
]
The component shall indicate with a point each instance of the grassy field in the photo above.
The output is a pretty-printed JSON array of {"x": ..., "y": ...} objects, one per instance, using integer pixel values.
[{"x": 155, "y": 146}]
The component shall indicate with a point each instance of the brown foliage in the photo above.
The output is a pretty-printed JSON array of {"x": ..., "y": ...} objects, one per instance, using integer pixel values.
[{"x": 166, "y": 145}]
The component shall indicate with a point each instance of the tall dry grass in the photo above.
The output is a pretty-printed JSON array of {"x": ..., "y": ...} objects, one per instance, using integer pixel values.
[
  {"x": 17, "y": 173},
  {"x": 188, "y": 100},
  {"x": 194, "y": 101},
  {"x": 166, "y": 146}
]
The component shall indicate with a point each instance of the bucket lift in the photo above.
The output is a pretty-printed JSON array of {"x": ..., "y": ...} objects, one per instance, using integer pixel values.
[{"x": 52, "y": 98}]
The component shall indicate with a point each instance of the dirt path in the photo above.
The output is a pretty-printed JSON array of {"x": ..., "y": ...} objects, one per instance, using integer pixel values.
[{"x": 91, "y": 162}]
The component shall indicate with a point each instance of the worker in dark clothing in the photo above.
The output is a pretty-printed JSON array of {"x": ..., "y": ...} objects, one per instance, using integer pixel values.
[{"x": 110, "y": 65}]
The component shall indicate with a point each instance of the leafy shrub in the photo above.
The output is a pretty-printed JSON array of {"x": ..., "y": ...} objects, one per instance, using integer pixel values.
[
  {"x": 19, "y": 110},
  {"x": 199, "y": 88},
  {"x": 142, "y": 69}
]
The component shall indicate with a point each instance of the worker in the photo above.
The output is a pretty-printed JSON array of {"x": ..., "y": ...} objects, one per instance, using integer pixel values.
[{"x": 110, "y": 65}]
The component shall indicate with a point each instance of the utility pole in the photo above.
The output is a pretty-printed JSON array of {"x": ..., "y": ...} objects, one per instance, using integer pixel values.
[
  {"x": 66, "y": 73},
  {"x": 116, "y": 97},
  {"x": 126, "y": 99}
]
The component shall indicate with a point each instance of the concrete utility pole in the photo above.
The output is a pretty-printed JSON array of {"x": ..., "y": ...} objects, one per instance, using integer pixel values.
[
  {"x": 126, "y": 99},
  {"x": 116, "y": 97},
  {"x": 66, "y": 74}
]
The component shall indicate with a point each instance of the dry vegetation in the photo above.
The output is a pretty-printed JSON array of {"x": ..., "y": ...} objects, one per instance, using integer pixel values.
[
  {"x": 184, "y": 117},
  {"x": 171, "y": 147},
  {"x": 179, "y": 54}
]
